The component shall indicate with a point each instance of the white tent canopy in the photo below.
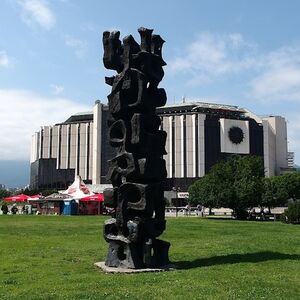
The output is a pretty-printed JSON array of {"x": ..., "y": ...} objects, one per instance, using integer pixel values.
[{"x": 78, "y": 189}]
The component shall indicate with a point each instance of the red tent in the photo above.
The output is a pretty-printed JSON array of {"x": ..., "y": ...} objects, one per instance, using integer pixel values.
[
  {"x": 17, "y": 198},
  {"x": 35, "y": 197},
  {"x": 91, "y": 205},
  {"x": 96, "y": 198}
]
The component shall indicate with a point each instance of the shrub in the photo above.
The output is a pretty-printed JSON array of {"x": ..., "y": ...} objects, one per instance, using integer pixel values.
[{"x": 292, "y": 213}]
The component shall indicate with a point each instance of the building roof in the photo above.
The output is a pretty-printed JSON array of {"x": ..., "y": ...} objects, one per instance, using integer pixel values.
[
  {"x": 206, "y": 105},
  {"x": 80, "y": 117},
  {"x": 222, "y": 110}
]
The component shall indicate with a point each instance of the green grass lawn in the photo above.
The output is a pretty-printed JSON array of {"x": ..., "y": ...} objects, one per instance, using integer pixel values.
[{"x": 52, "y": 257}]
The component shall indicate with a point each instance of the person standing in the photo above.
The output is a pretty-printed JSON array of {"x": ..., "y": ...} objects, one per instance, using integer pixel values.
[
  {"x": 202, "y": 211},
  {"x": 198, "y": 210},
  {"x": 14, "y": 209},
  {"x": 4, "y": 208}
]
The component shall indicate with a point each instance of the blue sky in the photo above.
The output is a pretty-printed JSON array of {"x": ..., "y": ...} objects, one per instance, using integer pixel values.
[{"x": 245, "y": 53}]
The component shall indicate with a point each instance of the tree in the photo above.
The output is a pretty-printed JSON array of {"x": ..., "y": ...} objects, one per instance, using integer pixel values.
[
  {"x": 275, "y": 192},
  {"x": 29, "y": 192},
  {"x": 49, "y": 192},
  {"x": 292, "y": 214},
  {"x": 269, "y": 190},
  {"x": 279, "y": 189},
  {"x": 203, "y": 192},
  {"x": 248, "y": 185},
  {"x": 235, "y": 183},
  {"x": 290, "y": 182},
  {"x": 4, "y": 193}
]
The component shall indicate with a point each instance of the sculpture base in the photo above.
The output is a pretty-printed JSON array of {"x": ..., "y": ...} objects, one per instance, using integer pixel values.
[{"x": 107, "y": 269}]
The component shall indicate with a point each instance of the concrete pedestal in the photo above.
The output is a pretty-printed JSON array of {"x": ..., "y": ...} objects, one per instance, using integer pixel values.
[{"x": 107, "y": 269}]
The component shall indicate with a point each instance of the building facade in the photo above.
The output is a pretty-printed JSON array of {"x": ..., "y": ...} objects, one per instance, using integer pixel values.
[
  {"x": 77, "y": 146},
  {"x": 291, "y": 160},
  {"x": 198, "y": 136}
]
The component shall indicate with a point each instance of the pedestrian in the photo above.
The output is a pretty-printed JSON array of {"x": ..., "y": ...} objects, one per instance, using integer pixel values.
[
  {"x": 4, "y": 208},
  {"x": 202, "y": 211},
  {"x": 187, "y": 210},
  {"x": 14, "y": 209},
  {"x": 198, "y": 210}
]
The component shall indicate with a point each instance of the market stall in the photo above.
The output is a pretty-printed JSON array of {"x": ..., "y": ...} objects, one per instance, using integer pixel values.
[
  {"x": 91, "y": 205},
  {"x": 50, "y": 205},
  {"x": 16, "y": 204}
]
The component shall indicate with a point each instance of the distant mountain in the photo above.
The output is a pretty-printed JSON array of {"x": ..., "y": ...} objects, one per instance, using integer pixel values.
[
  {"x": 297, "y": 167},
  {"x": 14, "y": 173}
]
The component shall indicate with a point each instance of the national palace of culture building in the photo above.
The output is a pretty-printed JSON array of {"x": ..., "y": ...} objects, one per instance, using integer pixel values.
[{"x": 198, "y": 136}]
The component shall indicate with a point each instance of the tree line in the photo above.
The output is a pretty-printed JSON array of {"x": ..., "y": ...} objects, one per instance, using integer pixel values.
[{"x": 239, "y": 183}]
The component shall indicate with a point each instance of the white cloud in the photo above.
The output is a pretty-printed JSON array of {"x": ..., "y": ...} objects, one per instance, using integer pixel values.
[
  {"x": 213, "y": 55},
  {"x": 22, "y": 113},
  {"x": 88, "y": 27},
  {"x": 57, "y": 89},
  {"x": 272, "y": 76},
  {"x": 80, "y": 46},
  {"x": 236, "y": 40},
  {"x": 5, "y": 60},
  {"x": 279, "y": 77},
  {"x": 37, "y": 12}
]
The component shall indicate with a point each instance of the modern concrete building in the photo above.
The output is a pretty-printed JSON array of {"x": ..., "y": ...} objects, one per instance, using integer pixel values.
[
  {"x": 199, "y": 135},
  {"x": 77, "y": 146},
  {"x": 291, "y": 160}
]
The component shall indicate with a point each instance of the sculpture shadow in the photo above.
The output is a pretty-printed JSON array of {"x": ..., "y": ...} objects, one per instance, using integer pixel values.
[{"x": 235, "y": 259}]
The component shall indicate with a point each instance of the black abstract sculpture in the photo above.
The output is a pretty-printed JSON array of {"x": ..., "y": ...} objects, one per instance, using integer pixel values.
[{"x": 138, "y": 170}]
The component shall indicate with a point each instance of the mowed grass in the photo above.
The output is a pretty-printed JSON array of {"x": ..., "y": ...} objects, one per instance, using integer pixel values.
[{"x": 52, "y": 257}]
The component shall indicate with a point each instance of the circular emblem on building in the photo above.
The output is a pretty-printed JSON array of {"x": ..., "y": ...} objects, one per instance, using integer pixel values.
[{"x": 236, "y": 134}]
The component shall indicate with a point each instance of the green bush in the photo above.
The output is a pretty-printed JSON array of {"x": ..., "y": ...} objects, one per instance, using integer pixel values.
[{"x": 292, "y": 213}]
